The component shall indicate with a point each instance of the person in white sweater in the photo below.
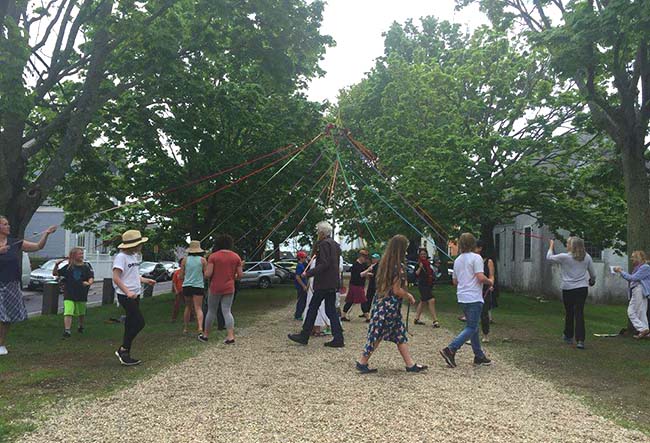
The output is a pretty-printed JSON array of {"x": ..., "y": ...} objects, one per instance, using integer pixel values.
[{"x": 577, "y": 275}]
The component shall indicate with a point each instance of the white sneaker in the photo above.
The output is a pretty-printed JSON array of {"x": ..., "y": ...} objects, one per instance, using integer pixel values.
[{"x": 3, "y": 350}]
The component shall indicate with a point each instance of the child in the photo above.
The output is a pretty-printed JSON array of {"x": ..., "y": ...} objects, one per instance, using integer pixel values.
[
  {"x": 127, "y": 283},
  {"x": 78, "y": 277},
  {"x": 386, "y": 322},
  {"x": 177, "y": 289},
  {"x": 469, "y": 280}
]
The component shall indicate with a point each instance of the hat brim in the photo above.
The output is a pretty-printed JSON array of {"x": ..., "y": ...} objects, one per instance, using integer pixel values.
[
  {"x": 195, "y": 251},
  {"x": 129, "y": 245}
]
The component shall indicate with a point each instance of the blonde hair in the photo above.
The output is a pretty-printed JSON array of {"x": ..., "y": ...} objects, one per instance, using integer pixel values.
[
  {"x": 576, "y": 246},
  {"x": 391, "y": 262},
  {"x": 466, "y": 243},
  {"x": 76, "y": 248},
  {"x": 643, "y": 258}
]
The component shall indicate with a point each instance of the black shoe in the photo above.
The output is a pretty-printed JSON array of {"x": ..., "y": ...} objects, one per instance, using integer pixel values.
[
  {"x": 362, "y": 315},
  {"x": 66, "y": 334},
  {"x": 449, "y": 356},
  {"x": 80, "y": 329},
  {"x": 125, "y": 358},
  {"x": 417, "y": 368},
  {"x": 298, "y": 338},
  {"x": 202, "y": 338},
  {"x": 364, "y": 369},
  {"x": 335, "y": 344},
  {"x": 229, "y": 342},
  {"x": 482, "y": 361},
  {"x": 345, "y": 319},
  {"x": 418, "y": 322}
]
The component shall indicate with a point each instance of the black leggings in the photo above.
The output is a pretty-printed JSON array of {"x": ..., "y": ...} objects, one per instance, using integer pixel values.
[
  {"x": 134, "y": 322},
  {"x": 574, "y": 307}
]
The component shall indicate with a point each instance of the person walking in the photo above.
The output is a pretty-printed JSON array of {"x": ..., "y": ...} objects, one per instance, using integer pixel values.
[
  {"x": 639, "y": 291},
  {"x": 12, "y": 304},
  {"x": 357, "y": 290},
  {"x": 489, "y": 291},
  {"x": 177, "y": 289},
  {"x": 192, "y": 271},
  {"x": 301, "y": 285},
  {"x": 326, "y": 283},
  {"x": 77, "y": 276},
  {"x": 371, "y": 291},
  {"x": 127, "y": 283},
  {"x": 577, "y": 275},
  {"x": 223, "y": 270},
  {"x": 424, "y": 274},
  {"x": 386, "y": 321},
  {"x": 469, "y": 279}
]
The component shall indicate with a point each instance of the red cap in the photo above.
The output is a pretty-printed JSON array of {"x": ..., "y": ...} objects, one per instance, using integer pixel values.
[{"x": 301, "y": 254}]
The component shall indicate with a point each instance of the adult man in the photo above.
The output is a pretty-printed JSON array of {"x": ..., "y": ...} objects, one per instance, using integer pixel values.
[{"x": 326, "y": 282}]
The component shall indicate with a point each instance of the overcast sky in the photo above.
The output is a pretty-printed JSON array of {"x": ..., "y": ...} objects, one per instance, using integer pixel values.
[{"x": 357, "y": 25}]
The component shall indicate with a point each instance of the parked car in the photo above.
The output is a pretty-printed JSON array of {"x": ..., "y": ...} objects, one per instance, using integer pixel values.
[
  {"x": 27, "y": 271},
  {"x": 153, "y": 270},
  {"x": 411, "y": 267},
  {"x": 283, "y": 274},
  {"x": 289, "y": 265},
  {"x": 39, "y": 276},
  {"x": 260, "y": 274},
  {"x": 346, "y": 266},
  {"x": 170, "y": 267}
]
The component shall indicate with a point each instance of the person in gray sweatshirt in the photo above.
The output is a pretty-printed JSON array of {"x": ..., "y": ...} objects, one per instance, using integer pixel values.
[{"x": 577, "y": 275}]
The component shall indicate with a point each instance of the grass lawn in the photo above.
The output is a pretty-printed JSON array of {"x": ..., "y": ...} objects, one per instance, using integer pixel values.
[
  {"x": 42, "y": 368},
  {"x": 612, "y": 375}
]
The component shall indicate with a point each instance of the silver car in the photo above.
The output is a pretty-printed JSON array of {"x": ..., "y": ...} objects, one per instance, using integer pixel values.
[
  {"x": 259, "y": 273},
  {"x": 42, "y": 275}
]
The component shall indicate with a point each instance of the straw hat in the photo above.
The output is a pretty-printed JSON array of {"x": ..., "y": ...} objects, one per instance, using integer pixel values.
[
  {"x": 131, "y": 239},
  {"x": 195, "y": 247}
]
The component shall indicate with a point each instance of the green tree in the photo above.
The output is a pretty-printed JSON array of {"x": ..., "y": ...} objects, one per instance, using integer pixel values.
[{"x": 603, "y": 47}]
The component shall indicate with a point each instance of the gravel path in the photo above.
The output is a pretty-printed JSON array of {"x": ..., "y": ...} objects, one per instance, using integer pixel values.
[{"x": 266, "y": 389}]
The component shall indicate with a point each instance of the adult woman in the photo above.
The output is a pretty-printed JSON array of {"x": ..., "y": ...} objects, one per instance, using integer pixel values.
[
  {"x": 192, "y": 270},
  {"x": 424, "y": 273},
  {"x": 639, "y": 282},
  {"x": 321, "y": 322},
  {"x": 12, "y": 305},
  {"x": 577, "y": 275},
  {"x": 386, "y": 321},
  {"x": 356, "y": 291},
  {"x": 223, "y": 269}
]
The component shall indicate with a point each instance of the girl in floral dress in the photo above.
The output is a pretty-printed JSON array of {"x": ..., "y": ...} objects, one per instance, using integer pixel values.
[{"x": 386, "y": 320}]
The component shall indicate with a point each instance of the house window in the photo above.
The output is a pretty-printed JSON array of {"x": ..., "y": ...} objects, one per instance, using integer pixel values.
[
  {"x": 595, "y": 252},
  {"x": 527, "y": 242},
  {"x": 81, "y": 240},
  {"x": 514, "y": 245},
  {"x": 497, "y": 246}
]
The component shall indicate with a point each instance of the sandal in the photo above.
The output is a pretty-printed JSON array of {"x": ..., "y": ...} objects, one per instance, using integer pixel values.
[
  {"x": 364, "y": 369},
  {"x": 436, "y": 324},
  {"x": 417, "y": 368},
  {"x": 229, "y": 342},
  {"x": 419, "y": 322}
]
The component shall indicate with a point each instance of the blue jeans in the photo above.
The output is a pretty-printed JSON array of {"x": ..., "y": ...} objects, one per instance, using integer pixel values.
[{"x": 472, "y": 313}]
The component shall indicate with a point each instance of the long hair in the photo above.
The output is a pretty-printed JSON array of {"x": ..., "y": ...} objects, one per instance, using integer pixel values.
[
  {"x": 391, "y": 263},
  {"x": 643, "y": 258},
  {"x": 223, "y": 241},
  {"x": 576, "y": 247},
  {"x": 466, "y": 243}
]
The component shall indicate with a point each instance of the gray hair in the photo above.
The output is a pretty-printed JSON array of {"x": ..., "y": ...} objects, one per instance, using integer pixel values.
[{"x": 324, "y": 228}]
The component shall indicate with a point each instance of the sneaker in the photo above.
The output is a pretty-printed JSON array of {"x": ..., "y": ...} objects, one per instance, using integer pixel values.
[
  {"x": 580, "y": 345},
  {"x": 67, "y": 334},
  {"x": 567, "y": 340},
  {"x": 417, "y": 368},
  {"x": 125, "y": 359},
  {"x": 436, "y": 324},
  {"x": 335, "y": 344},
  {"x": 486, "y": 339},
  {"x": 449, "y": 356},
  {"x": 298, "y": 338},
  {"x": 202, "y": 338},
  {"x": 482, "y": 361},
  {"x": 3, "y": 350},
  {"x": 327, "y": 331},
  {"x": 80, "y": 329},
  {"x": 364, "y": 369},
  {"x": 417, "y": 321}
]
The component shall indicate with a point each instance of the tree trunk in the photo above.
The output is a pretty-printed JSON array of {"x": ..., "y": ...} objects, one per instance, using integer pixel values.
[{"x": 637, "y": 193}]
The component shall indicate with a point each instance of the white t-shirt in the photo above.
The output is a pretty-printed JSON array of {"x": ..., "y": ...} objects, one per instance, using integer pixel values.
[
  {"x": 469, "y": 289},
  {"x": 129, "y": 264}
]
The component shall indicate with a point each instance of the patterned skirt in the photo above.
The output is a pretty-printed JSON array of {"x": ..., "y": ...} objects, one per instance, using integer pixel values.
[
  {"x": 12, "y": 305},
  {"x": 385, "y": 323}
]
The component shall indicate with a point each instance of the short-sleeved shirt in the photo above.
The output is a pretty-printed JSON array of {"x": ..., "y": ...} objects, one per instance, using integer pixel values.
[
  {"x": 300, "y": 268},
  {"x": 129, "y": 264},
  {"x": 10, "y": 261},
  {"x": 73, "y": 277},
  {"x": 224, "y": 268},
  {"x": 469, "y": 289},
  {"x": 355, "y": 274},
  {"x": 177, "y": 283}
]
